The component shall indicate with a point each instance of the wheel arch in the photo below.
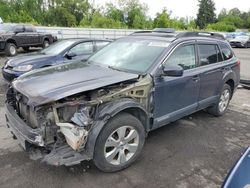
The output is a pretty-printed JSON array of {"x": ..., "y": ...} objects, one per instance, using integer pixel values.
[
  {"x": 11, "y": 41},
  {"x": 110, "y": 110},
  {"x": 231, "y": 83},
  {"x": 46, "y": 38},
  {"x": 229, "y": 79}
]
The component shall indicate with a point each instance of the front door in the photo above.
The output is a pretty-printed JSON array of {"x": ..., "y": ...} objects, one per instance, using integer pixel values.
[{"x": 176, "y": 97}]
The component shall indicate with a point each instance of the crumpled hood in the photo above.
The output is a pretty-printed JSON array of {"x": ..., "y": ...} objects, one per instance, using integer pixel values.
[
  {"x": 54, "y": 83},
  {"x": 27, "y": 59}
]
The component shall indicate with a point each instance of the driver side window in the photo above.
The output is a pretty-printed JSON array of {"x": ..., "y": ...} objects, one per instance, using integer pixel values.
[{"x": 183, "y": 56}]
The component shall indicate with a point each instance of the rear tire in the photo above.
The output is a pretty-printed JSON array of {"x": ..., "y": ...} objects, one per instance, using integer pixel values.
[
  {"x": 115, "y": 151},
  {"x": 220, "y": 108},
  {"x": 46, "y": 43},
  {"x": 11, "y": 49}
]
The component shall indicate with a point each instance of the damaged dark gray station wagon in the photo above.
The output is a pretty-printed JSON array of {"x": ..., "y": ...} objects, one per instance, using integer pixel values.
[{"x": 103, "y": 109}]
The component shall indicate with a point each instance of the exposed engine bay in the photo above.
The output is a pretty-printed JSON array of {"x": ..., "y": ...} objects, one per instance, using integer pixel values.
[{"x": 70, "y": 120}]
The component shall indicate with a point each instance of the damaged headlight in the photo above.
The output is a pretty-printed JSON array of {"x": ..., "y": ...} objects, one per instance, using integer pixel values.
[
  {"x": 73, "y": 123},
  {"x": 82, "y": 118},
  {"x": 23, "y": 68}
]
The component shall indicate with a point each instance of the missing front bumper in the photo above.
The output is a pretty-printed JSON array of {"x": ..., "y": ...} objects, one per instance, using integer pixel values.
[
  {"x": 25, "y": 134},
  {"x": 31, "y": 140}
]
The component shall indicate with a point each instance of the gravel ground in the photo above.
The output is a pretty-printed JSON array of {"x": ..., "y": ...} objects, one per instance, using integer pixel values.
[{"x": 196, "y": 151}]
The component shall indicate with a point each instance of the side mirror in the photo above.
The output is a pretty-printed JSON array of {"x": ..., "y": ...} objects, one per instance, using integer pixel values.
[
  {"x": 70, "y": 55},
  {"x": 175, "y": 71}
]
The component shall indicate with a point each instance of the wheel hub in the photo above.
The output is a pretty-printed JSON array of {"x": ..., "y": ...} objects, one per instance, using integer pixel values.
[
  {"x": 121, "y": 145},
  {"x": 224, "y": 100}
]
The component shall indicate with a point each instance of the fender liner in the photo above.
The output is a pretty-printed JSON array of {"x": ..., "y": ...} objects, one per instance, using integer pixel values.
[
  {"x": 230, "y": 75},
  {"x": 106, "y": 112}
]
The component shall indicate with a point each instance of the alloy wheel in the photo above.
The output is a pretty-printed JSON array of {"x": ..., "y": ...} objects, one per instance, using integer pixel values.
[
  {"x": 224, "y": 100},
  {"x": 121, "y": 145},
  {"x": 12, "y": 50}
]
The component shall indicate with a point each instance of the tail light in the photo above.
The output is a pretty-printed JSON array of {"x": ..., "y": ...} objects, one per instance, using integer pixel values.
[{"x": 238, "y": 63}]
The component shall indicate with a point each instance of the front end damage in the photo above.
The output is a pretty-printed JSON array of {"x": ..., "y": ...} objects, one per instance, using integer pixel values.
[{"x": 58, "y": 132}]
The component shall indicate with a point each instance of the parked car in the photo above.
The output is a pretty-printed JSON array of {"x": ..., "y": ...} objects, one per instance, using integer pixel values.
[
  {"x": 59, "y": 52},
  {"x": 103, "y": 109},
  {"x": 232, "y": 35},
  {"x": 239, "y": 175},
  {"x": 241, "y": 41},
  {"x": 13, "y": 36},
  {"x": 245, "y": 83}
]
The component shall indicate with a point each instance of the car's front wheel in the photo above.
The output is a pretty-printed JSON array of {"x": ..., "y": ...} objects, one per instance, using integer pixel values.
[
  {"x": 119, "y": 143},
  {"x": 11, "y": 49},
  {"x": 221, "y": 106}
]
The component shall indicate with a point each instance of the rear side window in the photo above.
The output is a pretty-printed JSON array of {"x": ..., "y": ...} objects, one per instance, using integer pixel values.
[
  {"x": 226, "y": 52},
  {"x": 19, "y": 28},
  {"x": 29, "y": 28},
  {"x": 209, "y": 54}
]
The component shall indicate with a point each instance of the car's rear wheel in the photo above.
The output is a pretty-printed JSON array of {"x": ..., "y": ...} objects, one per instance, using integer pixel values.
[
  {"x": 11, "y": 49},
  {"x": 220, "y": 108},
  {"x": 46, "y": 44},
  {"x": 119, "y": 143}
]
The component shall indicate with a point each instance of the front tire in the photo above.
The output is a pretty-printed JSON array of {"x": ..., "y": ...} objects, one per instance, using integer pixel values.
[
  {"x": 119, "y": 143},
  {"x": 219, "y": 109},
  {"x": 11, "y": 49}
]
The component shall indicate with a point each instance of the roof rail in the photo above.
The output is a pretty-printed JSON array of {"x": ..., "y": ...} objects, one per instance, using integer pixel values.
[
  {"x": 200, "y": 34},
  {"x": 157, "y": 30},
  {"x": 144, "y": 31},
  {"x": 164, "y": 30}
]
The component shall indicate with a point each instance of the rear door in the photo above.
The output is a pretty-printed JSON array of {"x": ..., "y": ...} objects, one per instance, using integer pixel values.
[
  {"x": 30, "y": 35},
  {"x": 211, "y": 68},
  {"x": 175, "y": 97}
]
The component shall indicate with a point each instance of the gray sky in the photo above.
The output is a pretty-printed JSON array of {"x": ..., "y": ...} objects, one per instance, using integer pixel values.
[{"x": 183, "y": 8}]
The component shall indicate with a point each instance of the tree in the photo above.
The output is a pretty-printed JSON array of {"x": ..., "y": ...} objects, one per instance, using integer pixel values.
[
  {"x": 206, "y": 13},
  {"x": 136, "y": 13},
  {"x": 162, "y": 19},
  {"x": 221, "y": 26},
  {"x": 77, "y": 8},
  {"x": 233, "y": 17},
  {"x": 114, "y": 13},
  {"x": 60, "y": 16}
]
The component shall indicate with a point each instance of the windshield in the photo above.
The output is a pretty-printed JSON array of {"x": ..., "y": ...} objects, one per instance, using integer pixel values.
[
  {"x": 135, "y": 55},
  {"x": 6, "y": 27},
  {"x": 57, "y": 47}
]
